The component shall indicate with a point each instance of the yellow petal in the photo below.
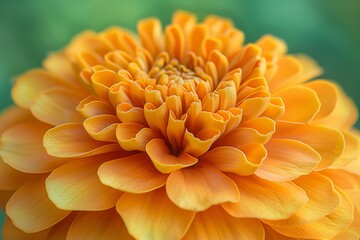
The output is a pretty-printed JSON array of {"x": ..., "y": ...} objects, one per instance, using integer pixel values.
[
  {"x": 102, "y": 127},
  {"x": 216, "y": 224},
  {"x": 72, "y": 140},
  {"x": 24, "y": 140},
  {"x": 200, "y": 187},
  {"x": 31, "y": 84},
  {"x": 135, "y": 174},
  {"x": 301, "y": 103},
  {"x": 327, "y": 227},
  {"x": 323, "y": 199},
  {"x": 74, "y": 185},
  {"x": 230, "y": 159},
  {"x": 164, "y": 160},
  {"x": 98, "y": 225},
  {"x": 31, "y": 210},
  {"x": 141, "y": 217},
  {"x": 133, "y": 136},
  {"x": 328, "y": 142},
  {"x": 56, "y": 106},
  {"x": 264, "y": 199},
  {"x": 10, "y": 232},
  {"x": 93, "y": 106},
  {"x": 287, "y": 160},
  {"x": 150, "y": 34}
]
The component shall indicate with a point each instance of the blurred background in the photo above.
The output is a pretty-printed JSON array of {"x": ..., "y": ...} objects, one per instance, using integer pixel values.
[{"x": 327, "y": 30}]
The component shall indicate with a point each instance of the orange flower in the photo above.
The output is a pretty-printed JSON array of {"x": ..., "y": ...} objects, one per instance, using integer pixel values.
[{"x": 184, "y": 133}]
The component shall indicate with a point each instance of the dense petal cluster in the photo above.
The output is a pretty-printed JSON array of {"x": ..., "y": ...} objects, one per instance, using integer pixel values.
[{"x": 181, "y": 133}]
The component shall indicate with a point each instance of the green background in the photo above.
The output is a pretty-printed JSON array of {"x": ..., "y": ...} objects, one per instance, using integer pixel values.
[{"x": 327, "y": 30}]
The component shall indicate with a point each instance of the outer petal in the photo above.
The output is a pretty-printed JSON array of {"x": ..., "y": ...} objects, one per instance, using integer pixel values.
[
  {"x": 60, "y": 230},
  {"x": 10, "y": 179},
  {"x": 323, "y": 199},
  {"x": 141, "y": 217},
  {"x": 10, "y": 232},
  {"x": 264, "y": 199},
  {"x": 135, "y": 174},
  {"x": 31, "y": 210},
  {"x": 217, "y": 224},
  {"x": 74, "y": 185},
  {"x": 12, "y": 116},
  {"x": 287, "y": 159},
  {"x": 72, "y": 140},
  {"x": 98, "y": 225},
  {"x": 328, "y": 142},
  {"x": 199, "y": 187},
  {"x": 24, "y": 140},
  {"x": 327, "y": 227}
]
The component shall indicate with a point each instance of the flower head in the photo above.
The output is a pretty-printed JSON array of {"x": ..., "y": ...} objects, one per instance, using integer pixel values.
[{"x": 181, "y": 133}]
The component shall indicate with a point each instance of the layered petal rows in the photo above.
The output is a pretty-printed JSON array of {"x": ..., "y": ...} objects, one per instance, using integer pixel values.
[{"x": 179, "y": 133}]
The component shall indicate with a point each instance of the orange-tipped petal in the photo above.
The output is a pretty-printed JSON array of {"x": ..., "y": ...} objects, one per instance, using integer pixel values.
[
  {"x": 287, "y": 160},
  {"x": 135, "y": 174},
  {"x": 74, "y": 185},
  {"x": 223, "y": 226},
  {"x": 164, "y": 160},
  {"x": 141, "y": 217},
  {"x": 31, "y": 210},
  {"x": 230, "y": 159},
  {"x": 328, "y": 142},
  {"x": 264, "y": 199},
  {"x": 72, "y": 140},
  {"x": 301, "y": 103},
  {"x": 98, "y": 225},
  {"x": 24, "y": 140},
  {"x": 200, "y": 187}
]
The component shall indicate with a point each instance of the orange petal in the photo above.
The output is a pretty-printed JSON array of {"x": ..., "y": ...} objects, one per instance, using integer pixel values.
[
  {"x": 175, "y": 131},
  {"x": 328, "y": 142},
  {"x": 11, "y": 179},
  {"x": 351, "y": 151},
  {"x": 10, "y": 232},
  {"x": 253, "y": 107},
  {"x": 102, "y": 127},
  {"x": 164, "y": 160},
  {"x": 74, "y": 185},
  {"x": 271, "y": 234},
  {"x": 344, "y": 115},
  {"x": 98, "y": 225},
  {"x": 141, "y": 217},
  {"x": 72, "y": 140},
  {"x": 175, "y": 42},
  {"x": 130, "y": 114},
  {"x": 133, "y": 136},
  {"x": 101, "y": 82},
  {"x": 93, "y": 106},
  {"x": 323, "y": 199},
  {"x": 301, "y": 103},
  {"x": 269, "y": 43},
  {"x": 275, "y": 109},
  {"x": 31, "y": 210},
  {"x": 287, "y": 160},
  {"x": 4, "y": 198},
  {"x": 13, "y": 115},
  {"x": 198, "y": 144},
  {"x": 150, "y": 34},
  {"x": 31, "y": 84},
  {"x": 24, "y": 140},
  {"x": 325, "y": 228},
  {"x": 157, "y": 117},
  {"x": 200, "y": 187},
  {"x": 328, "y": 95},
  {"x": 230, "y": 159},
  {"x": 216, "y": 224},
  {"x": 264, "y": 199},
  {"x": 135, "y": 174},
  {"x": 221, "y": 63},
  {"x": 56, "y": 106},
  {"x": 60, "y": 230}
]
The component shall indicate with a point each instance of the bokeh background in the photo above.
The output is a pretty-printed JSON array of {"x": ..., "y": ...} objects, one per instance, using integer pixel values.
[{"x": 327, "y": 30}]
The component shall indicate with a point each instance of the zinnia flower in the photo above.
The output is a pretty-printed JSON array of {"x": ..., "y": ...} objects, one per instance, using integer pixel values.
[{"x": 184, "y": 133}]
